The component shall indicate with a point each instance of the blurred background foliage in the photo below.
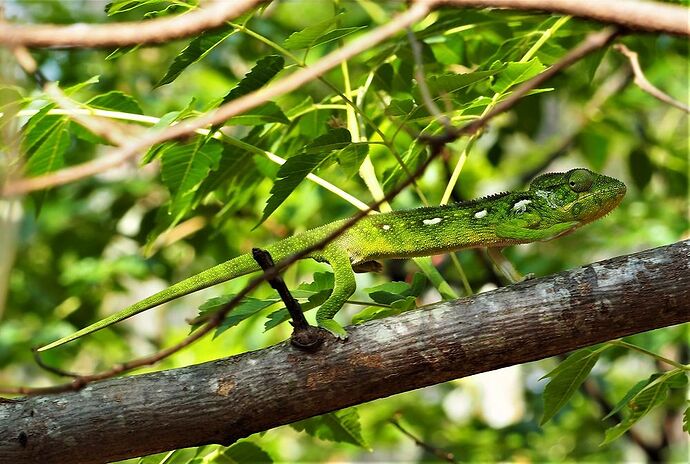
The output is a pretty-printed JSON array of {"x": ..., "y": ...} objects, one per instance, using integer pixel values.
[{"x": 78, "y": 252}]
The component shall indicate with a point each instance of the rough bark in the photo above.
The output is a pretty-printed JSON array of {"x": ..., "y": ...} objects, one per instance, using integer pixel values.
[{"x": 223, "y": 400}]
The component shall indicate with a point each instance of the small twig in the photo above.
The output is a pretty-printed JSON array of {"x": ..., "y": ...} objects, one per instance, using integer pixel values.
[
  {"x": 439, "y": 453},
  {"x": 304, "y": 336},
  {"x": 51, "y": 369},
  {"x": 642, "y": 82}
]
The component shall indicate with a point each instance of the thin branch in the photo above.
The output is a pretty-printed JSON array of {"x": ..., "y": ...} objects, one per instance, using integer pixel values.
[
  {"x": 222, "y": 113},
  {"x": 439, "y": 453},
  {"x": 153, "y": 31},
  {"x": 642, "y": 82},
  {"x": 632, "y": 14},
  {"x": 436, "y": 144}
]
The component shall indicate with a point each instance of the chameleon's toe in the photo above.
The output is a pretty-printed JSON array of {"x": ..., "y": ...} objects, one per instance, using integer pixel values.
[
  {"x": 528, "y": 276},
  {"x": 334, "y": 328}
]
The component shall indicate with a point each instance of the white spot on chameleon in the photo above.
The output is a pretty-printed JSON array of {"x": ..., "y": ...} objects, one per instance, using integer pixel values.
[
  {"x": 386, "y": 227},
  {"x": 431, "y": 222},
  {"x": 548, "y": 196},
  {"x": 521, "y": 206},
  {"x": 480, "y": 214}
]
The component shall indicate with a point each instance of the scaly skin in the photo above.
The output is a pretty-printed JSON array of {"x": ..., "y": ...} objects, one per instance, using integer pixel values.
[{"x": 555, "y": 205}]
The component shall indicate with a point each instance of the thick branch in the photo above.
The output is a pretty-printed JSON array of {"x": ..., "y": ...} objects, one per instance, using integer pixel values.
[
  {"x": 159, "y": 30},
  {"x": 221, "y": 401},
  {"x": 633, "y": 14}
]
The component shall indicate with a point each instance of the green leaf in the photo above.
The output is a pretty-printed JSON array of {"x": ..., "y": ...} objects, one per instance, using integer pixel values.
[
  {"x": 686, "y": 419},
  {"x": 566, "y": 379},
  {"x": 116, "y": 101},
  {"x": 337, "y": 34},
  {"x": 632, "y": 392},
  {"x": 340, "y": 426},
  {"x": 269, "y": 112},
  {"x": 245, "y": 309},
  {"x": 121, "y": 51},
  {"x": 296, "y": 168},
  {"x": 184, "y": 167},
  {"x": 263, "y": 71},
  {"x": 310, "y": 296},
  {"x": 121, "y": 6},
  {"x": 516, "y": 73},
  {"x": 195, "y": 51},
  {"x": 641, "y": 167},
  {"x": 50, "y": 154},
  {"x": 351, "y": 157},
  {"x": 38, "y": 127},
  {"x": 642, "y": 402},
  {"x": 377, "y": 312},
  {"x": 448, "y": 83},
  {"x": 244, "y": 452},
  {"x": 308, "y": 36}
]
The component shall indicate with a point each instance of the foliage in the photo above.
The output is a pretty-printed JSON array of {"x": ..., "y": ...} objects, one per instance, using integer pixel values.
[{"x": 93, "y": 246}]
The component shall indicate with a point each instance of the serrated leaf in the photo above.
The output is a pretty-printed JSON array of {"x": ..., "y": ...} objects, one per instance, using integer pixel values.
[
  {"x": 340, "y": 426},
  {"x": 263, "y": 71},
  {"x": 337, "y": 34},
  {"x": 121, "y": 51},
  {"x": 245, "y": 309},
  {"x": 50, "y": 154},
  {"x": 516, "y": 73},
  {"x": 632, "y": 392},
  {"x": 566, "y": 378},
  {"x": 184, "y": 167},
  {"x": 242, "y": 453},
  {"x": 351, "y": 157},
  {"x": 195, "y": 51},
  {"x": 371, "y": 313},
  {"x": 296, "y": 168},
  {"x": 649, "y": 397},
  {"x": 308, "y": 36},
  {"x": 449, "y": 83},
  {"x": 310, "y": 296},
  {"x": 116, "y": 101},
  {"x": 38, "y": 127},
  {"x": 269, "y": 112},
  {"x": 121, "y": 6},
  {"x": 686, "y": 420}
]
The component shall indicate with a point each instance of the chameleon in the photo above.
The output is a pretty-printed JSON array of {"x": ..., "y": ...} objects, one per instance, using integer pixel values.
[{"x": 555, "y": 204}]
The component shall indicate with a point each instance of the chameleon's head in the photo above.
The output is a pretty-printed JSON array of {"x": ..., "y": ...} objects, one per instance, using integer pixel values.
[{"x": 577, "y": 195}]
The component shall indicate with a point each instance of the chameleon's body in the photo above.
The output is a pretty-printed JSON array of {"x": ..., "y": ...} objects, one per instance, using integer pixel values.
[{"x": 554, "y": 205}]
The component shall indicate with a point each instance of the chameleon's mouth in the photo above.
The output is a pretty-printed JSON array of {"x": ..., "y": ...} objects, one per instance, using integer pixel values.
[{"x": 597, "y": 204}]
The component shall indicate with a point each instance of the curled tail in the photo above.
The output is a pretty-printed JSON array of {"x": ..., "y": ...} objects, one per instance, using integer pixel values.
[{"x": 228, "y": 270}]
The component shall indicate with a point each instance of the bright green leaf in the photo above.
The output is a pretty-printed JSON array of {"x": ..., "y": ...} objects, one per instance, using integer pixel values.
[
  {"x": 245, "y": 452},
  {"x": 116, "y": 101},
  {"x": 50, "y": 154},
  {"x": 245, "y": 309},
  {"x": 516, "y": 73}
]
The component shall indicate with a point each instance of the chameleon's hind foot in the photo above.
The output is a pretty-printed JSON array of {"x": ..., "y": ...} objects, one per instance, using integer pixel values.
[{"x": 334, "y": 328}]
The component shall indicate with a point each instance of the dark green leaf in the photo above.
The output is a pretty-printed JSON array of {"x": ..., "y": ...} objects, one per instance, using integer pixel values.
[
  {"x": 340, "y": 426},
  {"x": 263, "y": 71},
  {"x": 246, "y": 452},
  {"x": 195, "y": 51},
  {"x": 351, "y": 157},
  {"x": 269, "y": 112},
  {"x": 566, "y": 378},
  {"x": 245, "y": 309},
  {"x": 449, "y": 83},
  {"x": 641, "y": 167},
  {"x": 296, "y": 168},
  {"x": 337, "y": 34}
]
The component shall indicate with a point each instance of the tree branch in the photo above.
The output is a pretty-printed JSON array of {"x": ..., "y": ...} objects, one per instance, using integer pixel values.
[
  {"x": 223, "y": 400},
  {"x": 153, "y": 31},
  {"x": 633, "y": 14}
]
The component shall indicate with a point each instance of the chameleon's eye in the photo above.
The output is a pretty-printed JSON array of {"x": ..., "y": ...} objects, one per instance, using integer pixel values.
[{"x": 580, "y": 180}]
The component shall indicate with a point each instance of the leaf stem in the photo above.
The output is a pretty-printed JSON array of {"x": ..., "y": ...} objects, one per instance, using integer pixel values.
[{"x": 656, "y": 356}]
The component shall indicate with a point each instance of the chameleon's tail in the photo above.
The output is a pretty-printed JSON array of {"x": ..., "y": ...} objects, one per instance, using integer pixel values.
[{"x": 235, "y": 267}]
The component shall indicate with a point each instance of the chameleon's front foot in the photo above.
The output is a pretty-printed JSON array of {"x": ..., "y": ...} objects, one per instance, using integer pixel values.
[{"x": 334, "y": 328}]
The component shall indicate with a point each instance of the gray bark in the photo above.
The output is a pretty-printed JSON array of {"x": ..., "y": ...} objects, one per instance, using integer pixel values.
[{"x": 223, "y": 400}]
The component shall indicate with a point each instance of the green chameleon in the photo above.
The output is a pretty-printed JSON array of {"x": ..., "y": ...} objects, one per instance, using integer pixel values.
[{"x": 555, "y": 205}]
